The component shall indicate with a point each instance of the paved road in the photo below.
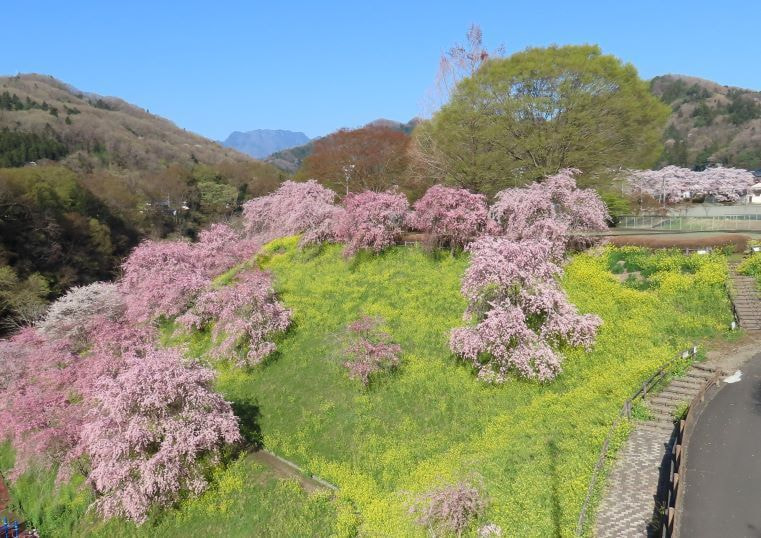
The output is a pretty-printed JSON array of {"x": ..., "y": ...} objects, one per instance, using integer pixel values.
[{"x": 723, "y": 481}]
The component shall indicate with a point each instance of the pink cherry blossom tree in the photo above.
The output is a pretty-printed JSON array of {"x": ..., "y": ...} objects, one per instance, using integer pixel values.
[
  {"x": 39, "y": 414},
  {"x": 553, "y": 210},
  {"x": 520, "y": 310},
  {"x": 244, "y": 315},
  {"x": 150, "y": 427},
  {"x": 371, "y": 220},
  {"x": 70, "y": 315},
  {"x": 161, "y": 278},
  {"x": 295, "y": 208},
  {"x": 221, "y": 247},
  {"x": 451, "y": 217},
  {"x": 520, "y": 313},
  {"x": 49, "y": 388}
]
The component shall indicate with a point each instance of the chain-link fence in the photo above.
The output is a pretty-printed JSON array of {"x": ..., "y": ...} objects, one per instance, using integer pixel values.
[{"x": 718, "y": 223}]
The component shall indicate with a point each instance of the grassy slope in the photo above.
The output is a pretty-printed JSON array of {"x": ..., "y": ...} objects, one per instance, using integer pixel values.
[{"x": 531, "y": 447}]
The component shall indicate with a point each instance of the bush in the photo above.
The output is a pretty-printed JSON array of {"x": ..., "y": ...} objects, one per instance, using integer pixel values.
[
  {"x": 450, "y": 508},
  {"x": 751, "y": 266},
  {"x": 369, "y": 350},
  {"x": 737, "y": 242},
  {"x": 371, "y": 220}
]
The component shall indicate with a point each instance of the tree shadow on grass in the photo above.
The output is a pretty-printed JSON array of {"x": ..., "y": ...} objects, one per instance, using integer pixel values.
[
  {"x": 249, "y": 415},
  {"x": 553, "y": 452}
]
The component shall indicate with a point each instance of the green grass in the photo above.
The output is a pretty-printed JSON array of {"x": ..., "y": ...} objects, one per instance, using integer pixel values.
[
  {"x": 531, "y": 446},
  {"x": 244, "y": 499},
  {"x": 751, "y": 266}
]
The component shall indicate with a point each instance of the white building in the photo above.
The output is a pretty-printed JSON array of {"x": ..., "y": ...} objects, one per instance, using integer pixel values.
[{"x": 754, "y": 194}]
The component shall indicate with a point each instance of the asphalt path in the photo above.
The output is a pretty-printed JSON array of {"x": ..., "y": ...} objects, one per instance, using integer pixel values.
[{"x": 722, "y": 488}]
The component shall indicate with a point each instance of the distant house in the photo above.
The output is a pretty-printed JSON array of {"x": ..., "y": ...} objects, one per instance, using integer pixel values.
[{"x": 754, "y": 195}]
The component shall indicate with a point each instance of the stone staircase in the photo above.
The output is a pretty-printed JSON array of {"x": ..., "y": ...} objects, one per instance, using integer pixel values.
[
  {"x": 628, "y": 507},
  {"x": 664, "y": 405},
  {"x": 745, "y": 296}
]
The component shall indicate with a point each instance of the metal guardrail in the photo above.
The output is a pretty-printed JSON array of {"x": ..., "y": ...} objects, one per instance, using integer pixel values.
[{"x": 624, "y": 413}]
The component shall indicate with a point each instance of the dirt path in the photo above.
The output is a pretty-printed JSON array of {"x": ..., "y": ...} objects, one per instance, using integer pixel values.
[{"x": 286, "y": 469}]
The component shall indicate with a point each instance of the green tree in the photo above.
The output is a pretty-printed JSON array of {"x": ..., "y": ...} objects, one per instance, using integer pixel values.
[
  {"x": 523, "y": 117},
  {"x": 217, "y": 198},
  {"x": 21, "y": 300}
]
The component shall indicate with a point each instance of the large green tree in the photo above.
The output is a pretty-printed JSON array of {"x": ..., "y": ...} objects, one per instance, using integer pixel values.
[{"x": 524, "y": 117}]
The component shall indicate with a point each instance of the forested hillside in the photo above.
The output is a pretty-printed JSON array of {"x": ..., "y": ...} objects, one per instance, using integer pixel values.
[
  {"x": 84, "y": 177},
  {"x": 710, "y": 123}
]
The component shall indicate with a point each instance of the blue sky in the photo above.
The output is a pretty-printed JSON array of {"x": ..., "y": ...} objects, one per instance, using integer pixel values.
[{"x": 215, "y": 67}]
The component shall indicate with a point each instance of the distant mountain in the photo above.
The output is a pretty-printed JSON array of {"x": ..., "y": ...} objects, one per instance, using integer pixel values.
[
  {"x": 289, "y": 160},
  {"x": 264, "y": 142},
  {"x": 710, "y": 123}
]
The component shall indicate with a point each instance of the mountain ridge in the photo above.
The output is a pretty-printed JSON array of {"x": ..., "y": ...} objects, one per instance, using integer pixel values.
[{"x": 260, "y": 143}]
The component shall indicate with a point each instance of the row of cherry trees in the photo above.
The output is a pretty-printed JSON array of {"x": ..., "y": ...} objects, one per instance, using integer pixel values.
[
  {"x": 519, "y": 312},
  {"x": 672, "y": 184}
]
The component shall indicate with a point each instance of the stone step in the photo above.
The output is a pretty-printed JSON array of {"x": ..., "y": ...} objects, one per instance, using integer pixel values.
[
  {"x": 662, "y": 411},
  {"x": 660, "y": 427},
  {"x": 669, "y": 399},
  {"x": 701, "y": 375},
  {"x": 704, "y": 367},
  {"x": 684, "y": 391},
  {"x": 689, "y": 382}
]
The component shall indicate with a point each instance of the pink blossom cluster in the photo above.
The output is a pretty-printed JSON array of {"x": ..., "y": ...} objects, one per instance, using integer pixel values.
[
  {"x": 451, "y": 217},
  {"x": 450, "y": 509},
  {"x": 371, "y": 220},
  {"x": 141, "y": 417},
  {"x": 521, "y": 314},
  {"x": 162, "y": 277},
  {"x": 244, "y": 315},
  {"x": 553, "y": 210},
  {"x": 369, "y": 350},
  {"x": 295, "y": 208},
  {"x": 674, "y": 184},
  {"x": 148, "y": 429},
  {"x": 39, "y": 410}
]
